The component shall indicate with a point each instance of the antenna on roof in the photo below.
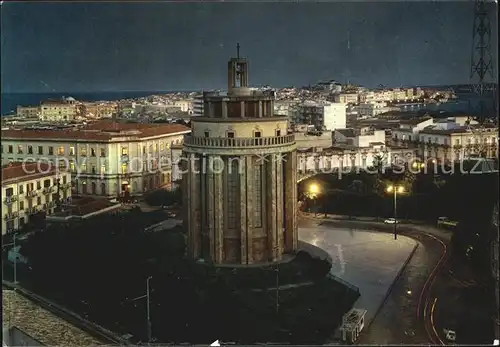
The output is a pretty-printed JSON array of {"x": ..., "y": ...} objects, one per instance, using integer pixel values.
[{"x": 238, "y": 50}]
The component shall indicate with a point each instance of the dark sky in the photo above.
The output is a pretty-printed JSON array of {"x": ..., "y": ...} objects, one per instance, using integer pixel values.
[{"x": 185, "y": 46}]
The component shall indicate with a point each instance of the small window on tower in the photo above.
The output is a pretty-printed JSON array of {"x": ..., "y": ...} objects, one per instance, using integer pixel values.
[
  {"x": 278, "y": 132},
  {"x": 257, "y": 134},
  {"x": 230, "y": 134},
  {"x": 207, "y": 133}
]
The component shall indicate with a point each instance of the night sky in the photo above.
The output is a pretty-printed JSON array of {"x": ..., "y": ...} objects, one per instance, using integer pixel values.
[{"x": 83, "y": 47}]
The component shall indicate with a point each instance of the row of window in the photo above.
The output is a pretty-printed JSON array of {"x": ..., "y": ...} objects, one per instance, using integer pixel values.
[
  {"x": 93, "y": 152},
  {"x": 40, "y": 200},
  {"x": 231, "y": 134},
  {"x": 60, "y": 150},
  {"x": 153, "y": 148},
  {"x": 445, "y": 140},
  {"x": 31, "y": 186},
  {"x": 327, "y": 164},
  {"x": 124, "y": 168}
]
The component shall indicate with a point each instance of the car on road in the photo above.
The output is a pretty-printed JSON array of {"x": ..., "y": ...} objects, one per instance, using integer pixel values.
[
  {"x": 391, "y": 221},
  {"x": 445, "y": 222},
  {"x": 171, "y": 215}
]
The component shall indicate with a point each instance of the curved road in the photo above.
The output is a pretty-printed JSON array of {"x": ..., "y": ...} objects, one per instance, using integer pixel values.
[{"x": 407, "y": 315}]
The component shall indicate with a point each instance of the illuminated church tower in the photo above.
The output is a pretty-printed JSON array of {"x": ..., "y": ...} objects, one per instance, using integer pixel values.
[{"x": 239, "y": 182}]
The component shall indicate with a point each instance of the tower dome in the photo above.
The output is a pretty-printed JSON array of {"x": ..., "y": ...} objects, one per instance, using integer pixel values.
[{"x": 239, "y": 176}]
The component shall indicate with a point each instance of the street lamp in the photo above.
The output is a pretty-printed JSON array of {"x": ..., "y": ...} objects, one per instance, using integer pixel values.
[
  {"x": 417, "y": 165},
  {"x": 148, "y": 312},
  {"x": 395, "y": 190},
  {"x": 313, "y": 193}
]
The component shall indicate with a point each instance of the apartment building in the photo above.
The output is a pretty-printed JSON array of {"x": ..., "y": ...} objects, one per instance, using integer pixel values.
[
  {"x": 321, "y": 115},
  {"x": 97, "y": 110},
  {"x": 345, "y": 157},
  {"x": 30, "y": 188},
  {"x": 346, "y": 98},
  {"x": 58, "y": 110},
  {"x": 409, "y": 129},
  {"x": 105, "y": 158},
  {"x": 372, "y": 109},
  {"x": 458, "y": 143},
  {"x": 198, "y": 105},
  {"x": 448, "y": 140},
  {"x": 28, "y": 111},
  {"x": 364, "y": 137},
  {"x": 184, "y": 105}
]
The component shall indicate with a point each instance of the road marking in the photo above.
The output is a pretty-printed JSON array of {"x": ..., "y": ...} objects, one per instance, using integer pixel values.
[
  {"x": 432, "y": 274},
  {"x": 432, "y": 320}
]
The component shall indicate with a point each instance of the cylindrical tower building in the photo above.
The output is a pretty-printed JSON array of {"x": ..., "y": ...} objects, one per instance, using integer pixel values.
[{"x": 239, "y": 181}]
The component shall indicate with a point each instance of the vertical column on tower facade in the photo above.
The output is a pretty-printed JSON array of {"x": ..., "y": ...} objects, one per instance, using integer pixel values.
[
  {"x": 260, "y": 109},
  {"x": 270, "y": 168},
  {"x": 218, "y": 211},
  {"x": 211, "y": 212},
  {"x": 294, "y": 200},
  {"x": 243, "y": 210},
  {"x": 242, "y": 105},
  {"x": 194, "y": 201},
  {"x": 211, "y": 112},
  {"x": 185, "y": 202},
  {"x": 289, "y": 203},
  {"x": 224, "y": 109},
  {"x": 250, "y": 201},
  {"x": 279, "y": 204}
]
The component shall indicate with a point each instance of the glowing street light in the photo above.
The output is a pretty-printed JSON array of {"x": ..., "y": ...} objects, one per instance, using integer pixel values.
[
  {"x": 395, "y": 190},
  {"x": 314, "y": 191},
  {"x": 417, "y": 165}
]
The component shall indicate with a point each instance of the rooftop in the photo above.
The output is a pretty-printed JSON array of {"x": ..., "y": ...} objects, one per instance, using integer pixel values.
[
  {"x": 414, "y": 121},
  {"x": 458, "y": 130},
  {"x": 22, "y": 171},
  {"x": 349, "y": 132},
  {"x": 81, "y": 208},
  {"x": 41, "y": 324},
  {"x": 99, "y": 131}
]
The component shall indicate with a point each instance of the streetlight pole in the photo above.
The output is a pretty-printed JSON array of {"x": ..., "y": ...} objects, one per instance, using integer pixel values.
[
  {"x": 148, "y": 309},
  {"x": 395, "y": 214},
  {"x": 15, "y": 258},
  {"x": 395, "y": 190},
  {"x": 277, "y": 287}
]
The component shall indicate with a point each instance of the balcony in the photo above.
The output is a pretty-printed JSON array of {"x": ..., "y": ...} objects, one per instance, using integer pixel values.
[
  {"x": 224, "y": 142},
  {"x": 51, "y": 204},
  {"x": 66, "y": 201},
  {"x": 31, "y": 193},
  {"x": 11, "y": 215},
  {"x": 31, "y": 210},
  {"x": 10, "y": 199},
  {"x": 48, "y": 190}
]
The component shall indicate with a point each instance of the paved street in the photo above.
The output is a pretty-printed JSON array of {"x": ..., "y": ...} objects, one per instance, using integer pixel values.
[
  {"x": 369, "y": 260},
  {"x": 464, "y": 304},
  {"x": 454, "y": 297}
]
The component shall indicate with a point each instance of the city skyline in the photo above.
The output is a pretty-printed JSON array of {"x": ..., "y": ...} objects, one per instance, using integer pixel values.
[{"x": 171, "y": 46}]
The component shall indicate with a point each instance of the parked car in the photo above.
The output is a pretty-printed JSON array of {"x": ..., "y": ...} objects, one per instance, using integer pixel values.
[
  {"x": 391, "y": 221},
  {"x": 446, "y": 222}
]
